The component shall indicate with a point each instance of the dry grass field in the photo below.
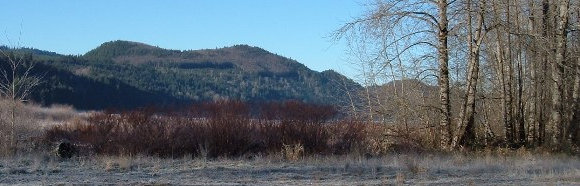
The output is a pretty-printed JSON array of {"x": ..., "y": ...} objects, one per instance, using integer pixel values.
[
  {"x": 523, "y": 169},
  {"x": 339, "y": 160}
]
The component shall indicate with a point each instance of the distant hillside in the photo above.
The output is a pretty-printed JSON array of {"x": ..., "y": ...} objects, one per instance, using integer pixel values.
[
  {"x": 247, "y": 58},
  {"x": 125, "y": 74}
]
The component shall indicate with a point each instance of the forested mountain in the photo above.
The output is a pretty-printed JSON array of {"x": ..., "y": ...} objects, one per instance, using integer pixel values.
[{"x": 124, "y": 74}]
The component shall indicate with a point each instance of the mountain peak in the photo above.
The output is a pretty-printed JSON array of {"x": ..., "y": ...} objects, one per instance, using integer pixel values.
[
  {"x": 123, "y": 44},
  {"x": 247, "y": 47},
  {"x": 112, "y": 49}
]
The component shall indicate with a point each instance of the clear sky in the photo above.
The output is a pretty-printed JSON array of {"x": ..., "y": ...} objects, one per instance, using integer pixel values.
[{"x": 297, "y": 29}]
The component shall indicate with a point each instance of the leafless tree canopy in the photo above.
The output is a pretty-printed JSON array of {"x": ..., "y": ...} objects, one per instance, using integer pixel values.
[
  {"x": 483, "y": 73},
  {"x": 16, "y": 83}
]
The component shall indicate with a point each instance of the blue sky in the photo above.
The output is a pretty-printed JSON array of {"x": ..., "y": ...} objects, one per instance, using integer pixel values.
[{"x": 297, "y": 29}]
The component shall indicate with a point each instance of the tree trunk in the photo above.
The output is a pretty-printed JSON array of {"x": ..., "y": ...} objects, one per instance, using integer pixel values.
[
  {"x": 543, "y": 110},
  {"x": 509, "y": 98},
  {"x": 573, "y": 131},
  {"x": 572, "y": 135},
  {"x": 487, "y": 128},
  {"x": 520, "y": 88},
  {"x": 443, "y": 59},
  {"x": 13, "y": 127},
  {"x": 504, "y": 78},
  {"x": 465, "y": 129},
  {"x": 534, "y": 88},
  {"x": 557, "y": 71}
]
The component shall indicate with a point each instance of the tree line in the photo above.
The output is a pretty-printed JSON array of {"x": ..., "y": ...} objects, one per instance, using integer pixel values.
[{"x": 507, "y": 71}]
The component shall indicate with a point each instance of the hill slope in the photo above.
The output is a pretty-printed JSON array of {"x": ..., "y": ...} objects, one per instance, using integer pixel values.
[{"x": 124, "y": 74}]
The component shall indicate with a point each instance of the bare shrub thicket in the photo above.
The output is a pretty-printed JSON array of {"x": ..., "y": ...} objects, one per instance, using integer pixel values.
[
  {"x": 30, "y": 122},
  {"x": 216, "y": 129}
]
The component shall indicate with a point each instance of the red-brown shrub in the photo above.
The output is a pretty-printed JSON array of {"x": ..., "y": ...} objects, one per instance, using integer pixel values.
[
  {"x": 349, "y": 135},
  {"x": 223, "y": 128}
]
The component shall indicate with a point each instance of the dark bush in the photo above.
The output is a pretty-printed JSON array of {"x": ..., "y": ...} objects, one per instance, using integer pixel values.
[{"x": 65, "y": 150}]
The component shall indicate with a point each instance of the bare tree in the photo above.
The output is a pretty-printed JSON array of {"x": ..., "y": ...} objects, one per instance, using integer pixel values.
[
  {"x": 16, "y": 83},
  {"x": 465, "y": 129},
  {"x": 573, "y": 128},
  {"x": 408, "y": 31},
  {"x": 558, "y": 70},
  {"x": 443, "y": 53}
]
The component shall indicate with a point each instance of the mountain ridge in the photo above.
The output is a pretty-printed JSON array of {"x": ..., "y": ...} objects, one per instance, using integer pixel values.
[
  {"x": 164, "y": 76},
  {"x": 246, "y": 57}
]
